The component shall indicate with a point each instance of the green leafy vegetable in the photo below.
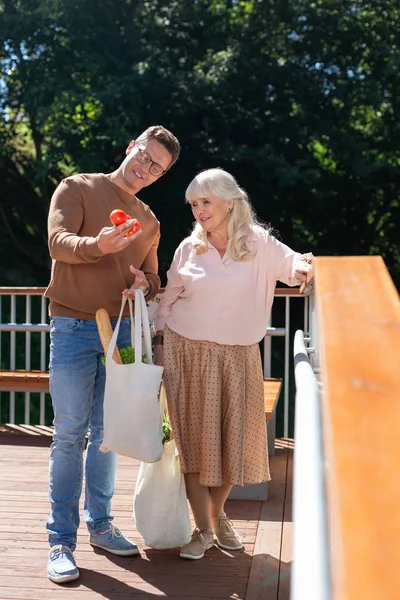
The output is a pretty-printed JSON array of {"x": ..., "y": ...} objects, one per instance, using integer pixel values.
[
  {"x": 166, "y": 429},
  {"x": 127, "y": 356}
]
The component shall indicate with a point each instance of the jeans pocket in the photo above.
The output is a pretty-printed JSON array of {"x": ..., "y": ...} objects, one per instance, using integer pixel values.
[{"x": 64, "y": 324}]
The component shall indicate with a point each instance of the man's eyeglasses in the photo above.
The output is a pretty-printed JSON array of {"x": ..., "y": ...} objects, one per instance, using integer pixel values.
[{"x": 144, "y": 157}]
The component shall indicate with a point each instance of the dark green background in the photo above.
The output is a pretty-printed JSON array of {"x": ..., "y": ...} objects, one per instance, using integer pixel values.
[{"x": 299, "y": 100}]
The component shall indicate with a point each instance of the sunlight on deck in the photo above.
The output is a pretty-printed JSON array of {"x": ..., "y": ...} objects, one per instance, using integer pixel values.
[{"x": 261, "y": 570}]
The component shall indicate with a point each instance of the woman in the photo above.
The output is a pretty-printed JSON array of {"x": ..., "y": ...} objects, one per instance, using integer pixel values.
[{"x": 213, "y": 313}]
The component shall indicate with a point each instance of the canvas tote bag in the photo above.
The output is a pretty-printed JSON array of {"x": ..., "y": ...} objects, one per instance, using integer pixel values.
[
  {"x": 132, "y": 419},
  {"x": 160, "y": 507}
]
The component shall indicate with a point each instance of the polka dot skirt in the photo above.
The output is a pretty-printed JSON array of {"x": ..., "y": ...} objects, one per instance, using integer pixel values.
[{"x": 216, "y": 409}]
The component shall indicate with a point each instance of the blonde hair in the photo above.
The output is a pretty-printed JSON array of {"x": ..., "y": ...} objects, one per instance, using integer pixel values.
[{"x": 242, "y": 221}]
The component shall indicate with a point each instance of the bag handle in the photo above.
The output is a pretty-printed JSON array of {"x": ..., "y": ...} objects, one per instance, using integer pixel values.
[
  {"x": 140, "y": 322},
  {"x": 113, "y": 341},
  {"x": 132, "y": 322}
]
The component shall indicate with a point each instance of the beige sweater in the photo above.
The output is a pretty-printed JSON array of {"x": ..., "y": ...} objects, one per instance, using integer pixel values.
[{"x": 84, "y": 279}]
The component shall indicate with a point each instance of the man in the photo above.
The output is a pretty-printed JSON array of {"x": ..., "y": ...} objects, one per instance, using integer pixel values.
[{"x": 93, "y": 264}]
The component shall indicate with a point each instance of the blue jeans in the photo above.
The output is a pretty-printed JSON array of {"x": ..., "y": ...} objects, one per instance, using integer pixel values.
[{"x": 77, "y": 378}]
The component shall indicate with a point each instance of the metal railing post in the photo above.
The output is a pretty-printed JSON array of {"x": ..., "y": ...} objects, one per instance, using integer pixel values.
[{"x": 311, "y": 554}]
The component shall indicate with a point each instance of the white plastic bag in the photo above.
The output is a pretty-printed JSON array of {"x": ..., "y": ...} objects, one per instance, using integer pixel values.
[
  {"x": 160, "y": 508},
  {"x": 132, "y": 420}
]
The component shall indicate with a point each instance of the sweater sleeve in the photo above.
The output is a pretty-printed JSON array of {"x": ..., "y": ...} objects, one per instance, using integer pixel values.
[
  {"x": 284, "y": 261},
  {"x": 172, "y": 292},
  {"x": 66, "y": 216}
]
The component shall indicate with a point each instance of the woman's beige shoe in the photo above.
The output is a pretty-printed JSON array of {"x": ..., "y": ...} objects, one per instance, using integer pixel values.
[
  {"x": 226, "y": 536},
  {"x": 200, "y": 542}
]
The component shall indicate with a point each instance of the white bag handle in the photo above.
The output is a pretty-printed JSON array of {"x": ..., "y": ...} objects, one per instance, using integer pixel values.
[{"x": 141, "y": 321}]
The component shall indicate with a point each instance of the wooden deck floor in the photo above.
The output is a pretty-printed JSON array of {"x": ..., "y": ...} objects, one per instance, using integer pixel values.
[{"x": 261, "y": 570}]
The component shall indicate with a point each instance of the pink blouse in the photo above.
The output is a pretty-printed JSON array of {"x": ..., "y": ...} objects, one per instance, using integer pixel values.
[{"x": 219, "y": 300}]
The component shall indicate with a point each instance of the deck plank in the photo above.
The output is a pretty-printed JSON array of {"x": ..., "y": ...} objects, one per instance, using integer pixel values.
[
  {"x": 272, "y": 554},
  {"x": 23, "y": 541},
  {"x": 287, "y": 536}
]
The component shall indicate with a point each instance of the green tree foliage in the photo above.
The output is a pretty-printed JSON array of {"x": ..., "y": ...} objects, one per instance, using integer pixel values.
[{"x": 299, "y": 100}]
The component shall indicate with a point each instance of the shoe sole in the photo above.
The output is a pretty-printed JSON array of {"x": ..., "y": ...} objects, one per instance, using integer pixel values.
[
  {"x": 63, "y": 579},
  {"x": 191, "y": 557},
  {"x": 133, "y": 552},
  {"x": 225, "y": 547}
]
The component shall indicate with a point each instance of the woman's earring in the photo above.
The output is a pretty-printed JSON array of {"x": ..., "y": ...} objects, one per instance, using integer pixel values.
[{"x": 229, "y": 209}]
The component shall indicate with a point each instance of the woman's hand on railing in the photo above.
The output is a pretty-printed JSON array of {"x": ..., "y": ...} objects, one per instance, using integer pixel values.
[{"x": 304, "y": 268}]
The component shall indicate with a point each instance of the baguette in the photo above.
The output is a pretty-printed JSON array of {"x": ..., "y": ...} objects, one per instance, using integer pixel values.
[{"x": 105, "y": 333}]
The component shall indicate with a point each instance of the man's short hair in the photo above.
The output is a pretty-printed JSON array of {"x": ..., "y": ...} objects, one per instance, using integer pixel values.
[{"x": 164, "y": 137}]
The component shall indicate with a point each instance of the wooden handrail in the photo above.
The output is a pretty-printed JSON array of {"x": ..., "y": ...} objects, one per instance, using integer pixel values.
[
  {"x": 22, "y": 291},
  {"x": 358, "y": 313}
]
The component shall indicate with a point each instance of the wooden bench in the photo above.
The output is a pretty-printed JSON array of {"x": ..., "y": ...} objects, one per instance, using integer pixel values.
[
  {"x": 24, "y": 381},
  {"x": 259, "y": 491},
  {"x": 38, "y": 381},
  {"x": 272, "y": 390}
]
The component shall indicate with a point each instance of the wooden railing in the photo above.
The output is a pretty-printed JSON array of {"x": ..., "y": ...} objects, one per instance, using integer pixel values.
[
  {"x": 358, "y": 316},
  {"x": 16, "y": 378}
]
